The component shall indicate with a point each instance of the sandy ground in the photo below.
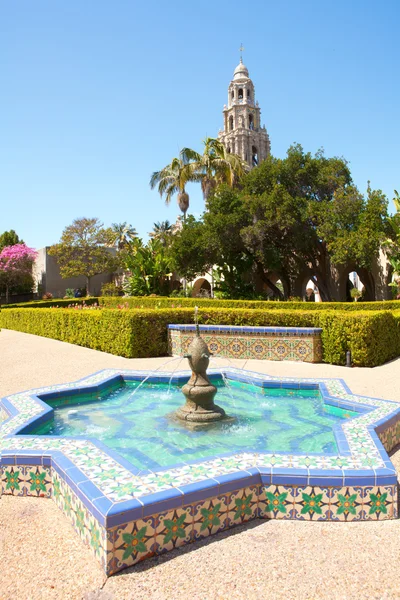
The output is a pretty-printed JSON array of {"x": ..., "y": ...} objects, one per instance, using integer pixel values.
[{"x": 42, "y": 557}]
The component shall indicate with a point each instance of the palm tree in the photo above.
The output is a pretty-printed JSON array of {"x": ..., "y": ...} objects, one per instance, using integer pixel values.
[
  {"x": 122, "y": 233},
  {"x": 216, "y": 165},
  {"x": 173, "y": 178},
  {"x": 162, "y": 231}
]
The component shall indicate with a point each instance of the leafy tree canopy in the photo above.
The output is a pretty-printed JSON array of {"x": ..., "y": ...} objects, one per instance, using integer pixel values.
[
  {"x": 9, "y": 238},
  {"x": 296, "y": 217},
  {"x": 83, "y": 250}
]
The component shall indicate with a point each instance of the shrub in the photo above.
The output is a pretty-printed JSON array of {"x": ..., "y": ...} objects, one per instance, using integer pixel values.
[
  {"x": 110, "y": 289},
  {"x": 168, "y": 302},
  {"x": 47, "y": 296},
  {"x": 373, "y": 337},
  {"x": 355, "y": 293}
]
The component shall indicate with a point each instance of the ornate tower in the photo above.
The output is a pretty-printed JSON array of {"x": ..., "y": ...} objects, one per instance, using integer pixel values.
[{"x": 242, "y": 133}]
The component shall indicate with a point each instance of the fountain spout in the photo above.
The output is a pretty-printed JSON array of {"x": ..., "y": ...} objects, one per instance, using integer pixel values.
[{"x": 199, "y": 391}]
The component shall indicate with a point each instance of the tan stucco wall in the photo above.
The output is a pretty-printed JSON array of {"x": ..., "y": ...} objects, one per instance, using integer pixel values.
[{"x": 47, "y": 273}]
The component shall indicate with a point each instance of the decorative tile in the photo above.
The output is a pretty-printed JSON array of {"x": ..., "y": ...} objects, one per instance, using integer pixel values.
[
  {"x": 242, "y": 505},
  {"x": 276, "y": 502},
  {"x": 312, "y": 503},
  {"x": 346, "y": 504},
  {"x": 174, "y": 529},
  {"x": 122, "y": 546},
  {"x": 242, "y": 342},
  {"x": 13, "y": 481},
  {"x": 25, "y": 480},
  {"x": 210, "y": 516},
  {"x": 134, "y": 542},
  {"x": 378, "y": 502}
]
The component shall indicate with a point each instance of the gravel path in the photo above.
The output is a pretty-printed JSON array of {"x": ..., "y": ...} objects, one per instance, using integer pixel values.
[{"x": 41, "y": 557}]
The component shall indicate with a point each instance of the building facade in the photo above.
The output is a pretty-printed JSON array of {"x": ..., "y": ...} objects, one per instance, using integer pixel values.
[
  {"x": 47, "y": 277},
  {"x": 242, "y": 133}
]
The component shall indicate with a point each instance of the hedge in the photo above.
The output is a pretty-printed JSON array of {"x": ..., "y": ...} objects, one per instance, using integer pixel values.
[
  {"x": 373, "y": 337},
  {"x": 158, "y": 302}
]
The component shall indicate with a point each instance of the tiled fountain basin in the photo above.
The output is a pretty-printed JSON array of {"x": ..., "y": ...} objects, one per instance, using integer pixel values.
[
  {"x": 126, "y": 515},
  {"x": 271, "y": 343}
]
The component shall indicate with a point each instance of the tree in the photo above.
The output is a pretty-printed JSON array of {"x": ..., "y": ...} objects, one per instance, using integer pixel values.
[
  {"x": 215, "y": 166},
  {"x": 162, "y": 231},
  {"x": 172, "y": 179},
  {"x": 149, "y": 266},
  {"x": 392, "y": 243},
  {"x": 121, "y": 234},
  {"x": 16, "y": 267},
  {"x": 83, "y": 250},
  {"x": 296, "y": 218},
  {"x": 9, "y": 238},
  {"x": 189, "y": 252}
]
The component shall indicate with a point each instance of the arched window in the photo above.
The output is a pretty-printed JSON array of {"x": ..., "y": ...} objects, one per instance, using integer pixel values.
[
  {"x": 230, "y": 123},
  {"x": 254, "y": 156},
  {"x": 233, "y": 147},
  {"x": 240, "y": 94},
  {"x": 229, "y": 149},
  {"x": 248, "y": 93},
  {"x": 232, "y": 94},
  {"x": 251, "y": 121}
]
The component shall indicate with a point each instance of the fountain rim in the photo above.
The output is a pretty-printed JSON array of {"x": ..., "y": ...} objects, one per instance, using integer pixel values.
[{"x": 353, "y": 436}]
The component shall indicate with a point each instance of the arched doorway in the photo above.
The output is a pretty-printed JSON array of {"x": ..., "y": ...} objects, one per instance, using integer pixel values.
[{"x": 201, "y": 288}]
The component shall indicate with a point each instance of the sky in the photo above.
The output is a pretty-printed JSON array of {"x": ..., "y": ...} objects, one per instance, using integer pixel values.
[{"x": 96, "y": 95}]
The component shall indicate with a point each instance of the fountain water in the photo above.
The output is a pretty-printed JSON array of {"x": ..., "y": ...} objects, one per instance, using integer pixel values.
[{"x": 151, "y": 374}]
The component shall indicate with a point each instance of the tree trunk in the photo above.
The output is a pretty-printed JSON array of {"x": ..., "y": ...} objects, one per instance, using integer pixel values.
[
  {"x": 7, "y": 294},
  {"x": 277, "y": 292},
  {"x": 369, "y": 284},
  {"x": 322, "y": 288},
  {"x": 88, "y": 286}
]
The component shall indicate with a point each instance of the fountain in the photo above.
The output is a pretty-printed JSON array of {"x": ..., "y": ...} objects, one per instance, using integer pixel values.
[{"x": 199, "y": 391}]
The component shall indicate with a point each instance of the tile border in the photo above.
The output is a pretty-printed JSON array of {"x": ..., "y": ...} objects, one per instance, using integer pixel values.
[{"x": 112, "y": 493}]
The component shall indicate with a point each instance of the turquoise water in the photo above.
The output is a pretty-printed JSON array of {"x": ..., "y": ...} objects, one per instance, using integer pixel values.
[{"x": 134, "y": 421}]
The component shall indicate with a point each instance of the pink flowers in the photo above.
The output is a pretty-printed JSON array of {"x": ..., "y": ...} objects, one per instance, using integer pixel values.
[
  {"x": 16, "y": 267},
  {"x": 17, "y": 258},
  {"x": 79, "y": 306},
  {"x": 124, "y": 306}
]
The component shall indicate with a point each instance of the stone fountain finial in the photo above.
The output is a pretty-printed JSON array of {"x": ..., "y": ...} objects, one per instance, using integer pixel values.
[{"x": 199, "y": 391}]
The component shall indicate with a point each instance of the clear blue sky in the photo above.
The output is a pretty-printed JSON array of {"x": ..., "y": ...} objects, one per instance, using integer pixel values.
[{"x": 96, "y": 95}]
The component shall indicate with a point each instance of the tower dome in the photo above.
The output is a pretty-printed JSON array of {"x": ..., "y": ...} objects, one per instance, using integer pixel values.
[
  {"x": 242, "y": 133},
  {"x": 241, "y": 72}
]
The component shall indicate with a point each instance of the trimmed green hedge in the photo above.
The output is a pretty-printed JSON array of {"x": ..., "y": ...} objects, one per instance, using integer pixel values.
[
  {"x": 146, "y": 302},
  {"x": 373, "y": 337},
  {"x": 163, "y": 302}
]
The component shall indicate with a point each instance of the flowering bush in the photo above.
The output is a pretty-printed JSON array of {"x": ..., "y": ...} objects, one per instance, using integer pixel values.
[
  {"x": 16, "y": 266},
  {"x": 79, "y": 306}
]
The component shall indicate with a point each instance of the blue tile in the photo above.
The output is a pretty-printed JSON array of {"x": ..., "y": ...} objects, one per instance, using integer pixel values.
[
  {"x": 321, "y": 481},
  {"x": 359, "y": 480},
  {"x": 75, "y": 476},
  {"x": 28, "y": 460},
  {"x": 235, "y": 481},
  {"x": 61, "y": 463},
  {"x": 161, "y": 502},
  {"x": 7, "y": 460},
  {"x": 277, "y": 479},
  {"x": 123, "y": 512},
  {"x": 103, "y": 505},
  {"x": 200, "y": 490},
  {"x": 89, "y": 490}
]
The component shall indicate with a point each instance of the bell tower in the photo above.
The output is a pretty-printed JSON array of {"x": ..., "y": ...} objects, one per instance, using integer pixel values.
[{"x": 242, "y": 133}]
